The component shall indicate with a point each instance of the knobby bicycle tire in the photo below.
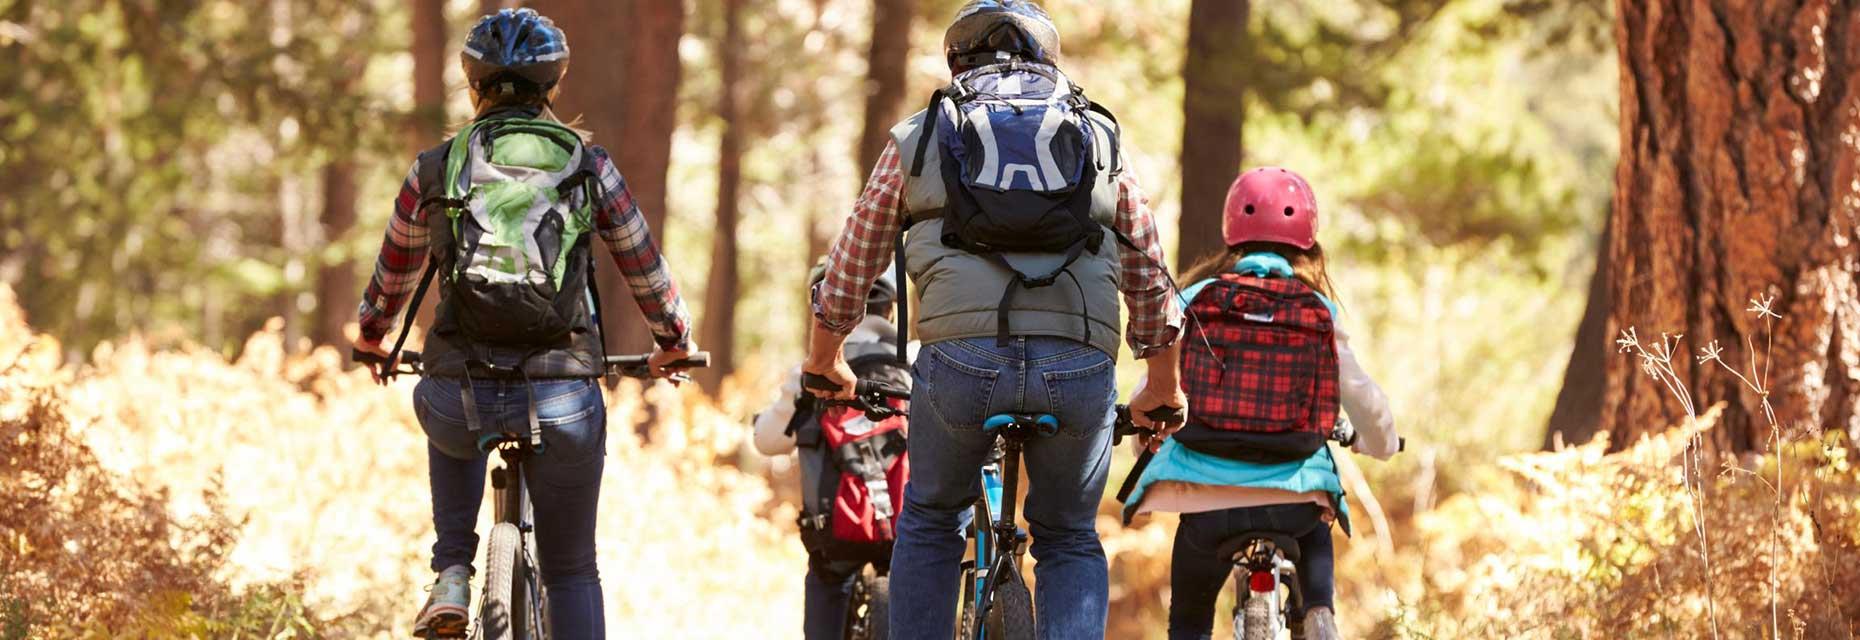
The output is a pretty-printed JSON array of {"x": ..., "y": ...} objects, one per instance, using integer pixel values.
[
  {"x": 1010, "y": 617},
  {"x": 500, "y": 613},
  {"x": 868, "y": 614},
  {"x": 1256, "y": 620}
]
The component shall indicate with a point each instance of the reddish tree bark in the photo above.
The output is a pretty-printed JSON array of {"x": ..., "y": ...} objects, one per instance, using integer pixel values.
[
  {"x": 1736, "y": 180},
  {"x": 429, "y": 73},
  {"x": 885, "y": 76},
  {"x": 1214, "y": 81},
  {"x": 719, "y": 329}
]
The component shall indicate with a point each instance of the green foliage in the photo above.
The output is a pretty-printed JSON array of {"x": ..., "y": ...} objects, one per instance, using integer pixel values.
[{"x": 151, "y": 146}]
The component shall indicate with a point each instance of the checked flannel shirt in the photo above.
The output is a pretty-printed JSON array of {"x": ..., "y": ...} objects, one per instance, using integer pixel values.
[
  {"x": 616, "y": 218},
  {"x": 864, "y": 249}
]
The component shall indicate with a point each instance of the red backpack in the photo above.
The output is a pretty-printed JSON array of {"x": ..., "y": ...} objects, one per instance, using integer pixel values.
[
  {"x": 853, "y": 470},
  {"x": 1262, "y": 386}
]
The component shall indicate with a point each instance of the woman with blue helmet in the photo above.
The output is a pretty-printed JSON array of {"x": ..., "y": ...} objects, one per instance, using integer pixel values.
[{"x": 514, "y": 61}]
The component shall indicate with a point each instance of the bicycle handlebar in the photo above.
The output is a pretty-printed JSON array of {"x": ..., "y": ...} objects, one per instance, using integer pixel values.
[
  {"x": 869, "y": 396},
  {"x": 632, "y": 366}
]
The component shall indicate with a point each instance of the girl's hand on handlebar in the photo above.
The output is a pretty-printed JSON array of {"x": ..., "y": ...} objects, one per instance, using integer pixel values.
[
  {"x": 1148, "y": 399},
  {"x": 377, "y": 370},
  {"x": 661, "y": 357}
]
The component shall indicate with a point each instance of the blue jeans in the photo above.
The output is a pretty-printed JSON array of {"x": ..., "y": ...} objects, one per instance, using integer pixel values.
[
  {"x": 564, "y": 482},
  {"x": 829, "y": 589},
  {"x": 957, "y": 385},
  {"x": 1196, "y": 576}
]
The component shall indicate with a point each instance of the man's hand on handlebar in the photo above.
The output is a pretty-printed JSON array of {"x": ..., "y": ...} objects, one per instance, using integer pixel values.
[
  {"x": 837, "y": 372},
  {"x": 379, "y": 369},
  {"x": 661, "y": 360}
]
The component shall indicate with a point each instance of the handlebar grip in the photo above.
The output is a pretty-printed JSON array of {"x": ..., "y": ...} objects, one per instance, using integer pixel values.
[
  {"x": 819, "y": 382},
  {"x": 364, "y": 357},
  {"x": 876, "y": 388}
]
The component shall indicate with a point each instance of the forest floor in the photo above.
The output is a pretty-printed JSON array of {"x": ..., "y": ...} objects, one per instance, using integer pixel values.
[{"x": 281, "y": 491}]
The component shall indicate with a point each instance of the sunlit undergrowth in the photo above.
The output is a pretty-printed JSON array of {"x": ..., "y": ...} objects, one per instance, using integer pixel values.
[{"x": 169, "y": 492}]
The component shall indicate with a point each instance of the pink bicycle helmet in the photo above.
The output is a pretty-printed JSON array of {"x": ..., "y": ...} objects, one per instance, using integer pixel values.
[{"x": 1270, "y": 204}]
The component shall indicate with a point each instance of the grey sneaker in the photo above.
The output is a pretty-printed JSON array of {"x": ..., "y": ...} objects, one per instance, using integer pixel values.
[
  {"x": 1319, "y": 624},
  {"x": 448, "y": 605}
]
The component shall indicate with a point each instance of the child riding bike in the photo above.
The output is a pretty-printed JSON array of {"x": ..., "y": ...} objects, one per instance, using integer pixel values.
[
  {"x": 1264, "y": 390},
  {"x": 507, "y": 211},
  {"x": 837, "y": 552}
]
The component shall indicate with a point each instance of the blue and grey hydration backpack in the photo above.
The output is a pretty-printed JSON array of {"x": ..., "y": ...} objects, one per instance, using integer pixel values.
[
  {"x": 1019, "y": 157},
  {"x": 519, "y": 195}
]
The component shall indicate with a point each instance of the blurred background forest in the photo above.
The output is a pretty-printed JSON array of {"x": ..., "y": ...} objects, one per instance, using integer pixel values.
[{"x": 192, "y": 194}]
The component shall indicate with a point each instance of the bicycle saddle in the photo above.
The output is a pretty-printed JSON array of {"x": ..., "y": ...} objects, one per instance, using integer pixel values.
[
  {"x": 1233, "y": 548},
  {"x": 1040, "y": 424}
]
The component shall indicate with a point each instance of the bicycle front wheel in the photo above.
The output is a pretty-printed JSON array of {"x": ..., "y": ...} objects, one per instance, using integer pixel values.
[
  {"x": 500, "y": 612},
  {"x": 1010, "y": 617}
]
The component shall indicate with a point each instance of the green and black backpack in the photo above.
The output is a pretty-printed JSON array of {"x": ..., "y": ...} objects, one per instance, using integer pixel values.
[{"x": 519, "y": 196}]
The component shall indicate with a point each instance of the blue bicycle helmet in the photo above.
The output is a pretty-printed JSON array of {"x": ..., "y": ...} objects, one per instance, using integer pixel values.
[
  {"x": 986, "y": 30},
  {"x": 515, "y": 50}
]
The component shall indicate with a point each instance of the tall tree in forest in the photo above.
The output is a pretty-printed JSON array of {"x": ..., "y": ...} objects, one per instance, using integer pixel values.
[
  {"x": 719, "y": 329},
  {"x": 1214, "y": 78},
  {"x": 623, "y": 85},
  {"x": 1737, "y": 181},
  {"x": 884, "y": 77},
  {"x": 429, "y": 73},
  {"x": 337, "y": 288}
]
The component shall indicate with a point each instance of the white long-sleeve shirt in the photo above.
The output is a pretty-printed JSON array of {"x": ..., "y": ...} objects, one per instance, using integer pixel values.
[{"x": 771, "y": 426}]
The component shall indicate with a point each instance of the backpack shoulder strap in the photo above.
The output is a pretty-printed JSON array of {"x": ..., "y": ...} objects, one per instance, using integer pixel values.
[{"x": 927, "y": 130}]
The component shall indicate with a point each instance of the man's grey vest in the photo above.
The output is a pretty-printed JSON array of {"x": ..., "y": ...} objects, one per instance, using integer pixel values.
[{"x": 961, "y": 291}]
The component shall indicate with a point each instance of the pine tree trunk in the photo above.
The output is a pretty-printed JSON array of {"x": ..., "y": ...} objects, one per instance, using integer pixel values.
[
  {"x": 885, "y": 76},
  {"x": 1737, "y": 180},
  {"x": 1214, "y": 82},
  {"x": 337, "y": 289},
  {"x": 719, "y": 330},
  {"x": 623, "y": 84},
  {"x": 429, "y": 74}
]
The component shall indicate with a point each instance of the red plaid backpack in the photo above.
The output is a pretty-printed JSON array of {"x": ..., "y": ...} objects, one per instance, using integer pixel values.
[{"x": 1262, "y": 387}]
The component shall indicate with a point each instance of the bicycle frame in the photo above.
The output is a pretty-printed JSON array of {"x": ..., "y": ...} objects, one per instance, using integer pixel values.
[
  {"x": 997, "y": 539},
  {"x": 994, "y": 487}
]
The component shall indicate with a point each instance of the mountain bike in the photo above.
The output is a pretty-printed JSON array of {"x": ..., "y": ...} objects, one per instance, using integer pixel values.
[
  {"x": 514, "y": 605},
  {"x": 996, "y": 603},
  {"x": 868, "y": 609},
  {"x": 1264, "y": 563}
]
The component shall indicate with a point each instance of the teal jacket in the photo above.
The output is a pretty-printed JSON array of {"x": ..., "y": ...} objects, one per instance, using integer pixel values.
[{"x": 1176, "y": 463}]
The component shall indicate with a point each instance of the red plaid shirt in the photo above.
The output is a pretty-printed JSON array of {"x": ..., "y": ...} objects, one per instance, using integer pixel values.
[
  {"x": 616, "y": 218},
  {"x": 864, "y": 249}
]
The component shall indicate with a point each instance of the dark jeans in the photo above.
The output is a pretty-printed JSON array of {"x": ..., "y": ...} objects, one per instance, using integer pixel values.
[
  {"x": 564, "y": 482},
  {"x": 1196, "y": 576},
  {"x": 829, "y": 587},
  {"x": 958, "y": 384}
]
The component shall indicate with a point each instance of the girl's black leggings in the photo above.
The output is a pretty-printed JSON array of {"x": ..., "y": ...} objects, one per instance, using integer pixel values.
[{"x": 1196, "y": 577}]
